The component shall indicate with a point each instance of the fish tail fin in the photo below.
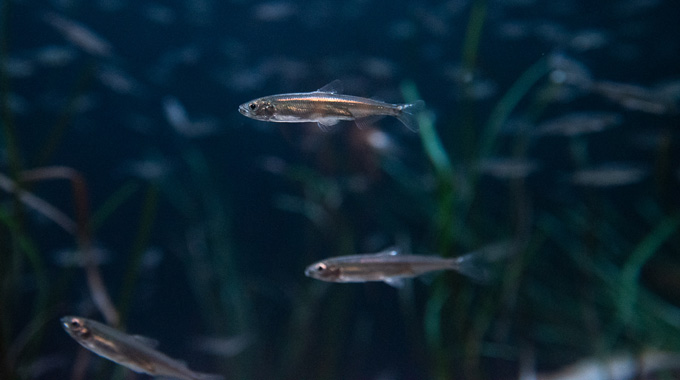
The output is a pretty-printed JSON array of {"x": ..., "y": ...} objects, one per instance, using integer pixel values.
[
  {"x": 407, "y": 114},
  {"x": 477, "y": 264}
]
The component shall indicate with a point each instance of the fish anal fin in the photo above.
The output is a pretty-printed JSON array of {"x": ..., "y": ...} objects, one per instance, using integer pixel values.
[
  {"x": 149, "y": 342},
  {"x": 366, "y": 122},
  {"x": 335, "y": 87}
]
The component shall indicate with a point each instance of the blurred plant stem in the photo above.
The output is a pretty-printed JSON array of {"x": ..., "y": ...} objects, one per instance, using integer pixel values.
[
  {"x": 628, "y": 287},
  {"x": 446, "y": 187},
  {"x": 473, "y": 34},
  {"x": 98, "y": 290},
  {"x": 208, "y": 250},
  {"x": 507, "y": 104}
]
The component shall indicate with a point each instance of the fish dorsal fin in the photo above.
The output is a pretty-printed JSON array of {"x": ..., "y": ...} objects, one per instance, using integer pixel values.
[
  {"x": 392, "y": 251},
  {"x": 149, "y": 342},
  {"x": 335, "y": 87}
]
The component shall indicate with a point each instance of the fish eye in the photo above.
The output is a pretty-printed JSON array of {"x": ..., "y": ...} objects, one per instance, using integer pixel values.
[
  {"x": 75, "y": 324},
  {"x": 252, "y": 106},
  {"x": 320, "y": 267}
]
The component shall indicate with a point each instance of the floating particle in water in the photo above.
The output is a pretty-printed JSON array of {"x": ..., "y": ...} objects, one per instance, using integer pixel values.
[
  {"x": 609, "y": 175},
  {"x": 579, "y": 123}
]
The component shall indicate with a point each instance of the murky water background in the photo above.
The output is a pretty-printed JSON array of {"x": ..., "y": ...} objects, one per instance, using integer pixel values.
[{"x": 552, "y": 126}]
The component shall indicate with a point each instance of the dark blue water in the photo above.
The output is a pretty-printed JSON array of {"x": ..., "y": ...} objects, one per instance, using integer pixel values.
[{"x": 207, "y": 219}]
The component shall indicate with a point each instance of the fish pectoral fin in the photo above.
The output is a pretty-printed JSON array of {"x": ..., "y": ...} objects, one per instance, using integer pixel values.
[
  {"x": 335, "y": 87},
  {"x": 149, "y": 342},
  {"x": 396, "y": 282},
  {"x": 326, "y": 125}
]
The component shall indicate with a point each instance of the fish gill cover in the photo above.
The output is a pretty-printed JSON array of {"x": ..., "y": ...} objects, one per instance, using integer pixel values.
[{"x": 134, "y": 193}]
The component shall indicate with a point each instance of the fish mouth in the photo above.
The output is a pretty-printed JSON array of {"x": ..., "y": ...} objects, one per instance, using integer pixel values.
[
  {"x": 243, "y": 110},
  {"x": 64, "y": 323}
]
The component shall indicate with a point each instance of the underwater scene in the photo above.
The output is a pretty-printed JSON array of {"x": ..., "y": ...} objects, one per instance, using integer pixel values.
[{"x": 355, "y": 189}]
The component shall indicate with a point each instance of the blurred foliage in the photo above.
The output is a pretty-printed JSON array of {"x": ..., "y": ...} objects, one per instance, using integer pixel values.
[{"x": 592, "y": 273}]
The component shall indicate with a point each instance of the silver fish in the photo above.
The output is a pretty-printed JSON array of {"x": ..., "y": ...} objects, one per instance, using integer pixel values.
[
  {"x": 326, "y": 106},
  {"x": 134, "y": 352},
  {"x": 392, "y": 268}
]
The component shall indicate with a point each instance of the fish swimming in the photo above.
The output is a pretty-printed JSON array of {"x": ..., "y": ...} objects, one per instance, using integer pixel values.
[
  {"x": 391, "y": 267},
  {"x": 134, "y": 352},
  {"x": 326, "y": 106}
]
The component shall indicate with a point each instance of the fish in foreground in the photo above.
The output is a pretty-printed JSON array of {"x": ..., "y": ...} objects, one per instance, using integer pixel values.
[
  {"x": 134, "y": 352},
  {"x": 392, "y": 267},
  {"x": 326, "y": 106}
]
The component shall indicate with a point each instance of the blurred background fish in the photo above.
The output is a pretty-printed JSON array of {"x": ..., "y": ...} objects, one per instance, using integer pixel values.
[
  {"x": 133, "y": 192},
  {"x": 135, "y": 352}
]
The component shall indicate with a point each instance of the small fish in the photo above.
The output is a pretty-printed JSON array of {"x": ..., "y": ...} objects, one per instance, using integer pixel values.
[
  {"x": 326, "y": 106},
  {"x": 609, "y": 175},
  {"x": 392, "y": 268},
  {"x": 134, "y": 352},
  {"x": 80, "y": 35}
]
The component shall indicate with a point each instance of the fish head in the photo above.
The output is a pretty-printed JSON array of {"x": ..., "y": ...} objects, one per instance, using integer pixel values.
[
  {"x": 76, "y": 327},
  {"x": 258, "y": 109},
  {"x": 323, "y": 271}
]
